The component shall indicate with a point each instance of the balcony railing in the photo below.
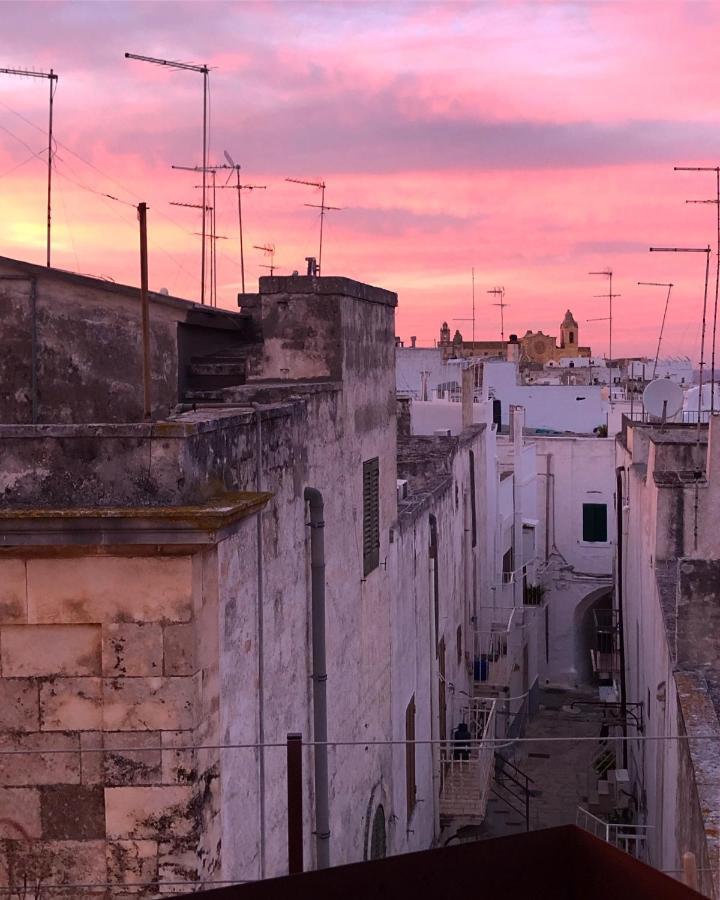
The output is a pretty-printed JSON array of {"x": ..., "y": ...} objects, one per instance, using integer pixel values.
[
  {"x": 605, "y": 654},
  {"x": 494, "y": 653},
  {"x": 468, "y": 764},
  {"x": 630, "y": 838}
]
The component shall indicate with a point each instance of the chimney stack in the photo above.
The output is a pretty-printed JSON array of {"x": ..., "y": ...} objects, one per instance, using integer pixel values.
[{"x": 412, "y": 341}]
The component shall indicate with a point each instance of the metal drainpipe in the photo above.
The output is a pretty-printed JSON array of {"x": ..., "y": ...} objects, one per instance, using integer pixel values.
[
  {"x": 319, "y": 676},
  {"x": 621, "y": 622},
  {"x": 260, "y": 641}
]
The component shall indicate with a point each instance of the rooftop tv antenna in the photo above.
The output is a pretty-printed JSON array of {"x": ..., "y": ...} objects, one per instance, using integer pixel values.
[
  {"x": 240, "y": 188},
  {"x": 669, "y": 286},
  {"x": 52, "y": 80},
  {"x": 473, "y": 310},
  {"x": 208, "y": 209},
  {"x": 268, "y": 250},
  {"x": 205, "y": 72},
  {"x": 321, "y": 206},
  {"x": 502, "y": 304},
  {"x": 716, "y": 201},
  {"x": 706, "y": 251}
]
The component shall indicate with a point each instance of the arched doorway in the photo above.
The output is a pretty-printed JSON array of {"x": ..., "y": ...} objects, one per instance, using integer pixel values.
[
  {"x": 595, "y": 607},
  {"x": 378, "y": 836}
]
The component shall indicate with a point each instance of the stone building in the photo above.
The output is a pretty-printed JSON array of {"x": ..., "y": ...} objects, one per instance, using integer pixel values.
[
  {"x": 161, "y": 631},
  {"x": 666, "y": 634},
  {"x": 535, "y": 347}
]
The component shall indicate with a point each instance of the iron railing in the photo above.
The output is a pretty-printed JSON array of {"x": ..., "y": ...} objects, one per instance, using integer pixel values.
[
  {"x": 494, "y": 654},
  {"x": 624, "y": 836},
  {"x": 467, "y": 765}
]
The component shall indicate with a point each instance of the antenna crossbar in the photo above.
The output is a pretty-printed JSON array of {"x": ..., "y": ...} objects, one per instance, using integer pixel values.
[{"x": 170, "y": 63}]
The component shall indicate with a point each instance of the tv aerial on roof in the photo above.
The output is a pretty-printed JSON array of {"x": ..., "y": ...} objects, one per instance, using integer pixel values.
[{"x": 663, "y": 399}]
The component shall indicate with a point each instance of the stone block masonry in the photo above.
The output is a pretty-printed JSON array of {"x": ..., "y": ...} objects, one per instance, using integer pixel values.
[{"x": 98, "y": 659}]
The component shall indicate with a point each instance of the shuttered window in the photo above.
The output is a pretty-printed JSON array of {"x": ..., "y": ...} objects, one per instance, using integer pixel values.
[
  {"x": 595, "y": 522},
  {"x": 371, "y": 515},
  {"x": 410, "y": 786}
]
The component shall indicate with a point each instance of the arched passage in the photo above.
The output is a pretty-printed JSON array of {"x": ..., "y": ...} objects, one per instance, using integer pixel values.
[{"x": 585, "y": 630}]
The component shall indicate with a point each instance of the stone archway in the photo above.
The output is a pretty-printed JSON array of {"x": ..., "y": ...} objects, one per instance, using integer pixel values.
[{"x": 585, "y": 631}]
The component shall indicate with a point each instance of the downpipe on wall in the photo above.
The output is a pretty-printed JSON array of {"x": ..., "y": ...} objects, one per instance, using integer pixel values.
[
  {"x": 620, "y": 606},
  {"x": 260, "y": 630},
  {"x": 319, "y": 675}
]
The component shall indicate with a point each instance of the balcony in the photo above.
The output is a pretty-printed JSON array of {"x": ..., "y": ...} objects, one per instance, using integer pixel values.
[
  {"x": 494, "y": 653},
  {"x": 625, "y": 836},
  {"x": 467, "y": 765}
]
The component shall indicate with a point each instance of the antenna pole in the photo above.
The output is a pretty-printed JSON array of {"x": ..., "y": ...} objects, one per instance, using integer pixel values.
[
  {"x": 706, "y": 251},
  {"x": 242, "y": 253},
  {"x": 205, "y": 73},
  {"x": 142, "y": 216},
  {"x": 322, "y": 217},
  {"x": 52, "y": 77},
  {"x": 204, "y": 185},
  {"x": 669, "y": 286},
  {"x": 50, "y": 161},
  {"x": 502, "y": 304},
  {"x": 473, "y": 307}
]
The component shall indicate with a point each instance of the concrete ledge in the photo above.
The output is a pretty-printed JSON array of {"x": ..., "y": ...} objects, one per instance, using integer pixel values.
[
  {"x": 202, "y": 524},
  {"x": 334, "y": 285}
]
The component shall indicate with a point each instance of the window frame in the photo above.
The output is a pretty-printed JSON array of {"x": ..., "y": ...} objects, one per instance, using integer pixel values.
[
  {"x": 590, "y": 527},
  {"x": 371, "y": 515}
]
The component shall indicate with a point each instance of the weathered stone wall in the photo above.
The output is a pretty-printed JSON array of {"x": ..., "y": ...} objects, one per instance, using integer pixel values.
[
  {"x": 83, "y": 338},
  {"x": 103, "y": 653}
]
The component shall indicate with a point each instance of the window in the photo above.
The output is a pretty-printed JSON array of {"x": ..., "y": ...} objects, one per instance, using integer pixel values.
[
  {"x": 507, "y": 566},
  {"x": 458, "y": 638},
  {"x": 371, "y": 515},
  {"x": 410, "y": 786},
  {"x": 594, "y": 522},
  {"x": 571, "y": 337}
]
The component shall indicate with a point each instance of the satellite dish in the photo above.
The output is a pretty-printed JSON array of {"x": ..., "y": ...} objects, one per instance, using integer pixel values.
[
  {"x": 663, "y": 399},
  {"x": 229, "y": 159}
]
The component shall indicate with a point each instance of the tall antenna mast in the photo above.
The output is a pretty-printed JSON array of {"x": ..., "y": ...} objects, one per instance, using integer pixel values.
[
  {"x": 473, "y": 311},
  {"x": 669, "y": 286},
  {"x": 716, "y": 201},
  {"x": 52, "y": 79},
  {"x": 706, "y": 251},
  {"x": 268, "y": 250},
  {"x": 500, "y": 291},
  {"x": 240, "y": 188},
  {"x": 610, "y": 297},
  {"x": 321, "y": 206},
  {"x": 205, "y": 73}
]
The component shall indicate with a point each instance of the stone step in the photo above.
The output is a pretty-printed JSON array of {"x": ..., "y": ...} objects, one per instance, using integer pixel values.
[{"x": 204, "y": 396}]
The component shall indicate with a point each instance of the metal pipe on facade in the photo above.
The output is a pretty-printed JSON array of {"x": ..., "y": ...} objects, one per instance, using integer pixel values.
[
  {"x": 619, "y": 595},
  {"x": 319, "y": 676},
  {"x": 260, "y": 624}
]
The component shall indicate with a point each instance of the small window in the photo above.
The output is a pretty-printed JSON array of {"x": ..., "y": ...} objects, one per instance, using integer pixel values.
[
  {"x": 595, "y": 522},
  {"x": 371, "y": 515},
  {"x": 571, "y": 337},
  {"x": 410, "y": 786},
  {"x": 458, "y": 638},
  {"x": 507, "y": 565}
]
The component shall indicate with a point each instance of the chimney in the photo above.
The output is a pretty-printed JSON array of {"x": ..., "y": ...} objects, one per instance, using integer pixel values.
[
  {"x": 513, "y": 349},
  {"x": 412, "y": 341},
  {"x": 517, "y": 421},
  {"x": 311, "y": 266},
  {"x": 468, "y": 385}
]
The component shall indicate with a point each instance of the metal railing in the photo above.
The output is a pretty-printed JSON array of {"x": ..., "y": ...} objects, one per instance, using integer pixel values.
[
  {"x": 467, "y": 765},
  {"x": 494, "y": 656},
  {"x": 606, "y": 652},
  {"x": 627, "y": 837}
]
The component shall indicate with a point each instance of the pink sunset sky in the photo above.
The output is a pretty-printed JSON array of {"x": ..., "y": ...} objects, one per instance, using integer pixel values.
[{"x": 534, "y": 142}]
